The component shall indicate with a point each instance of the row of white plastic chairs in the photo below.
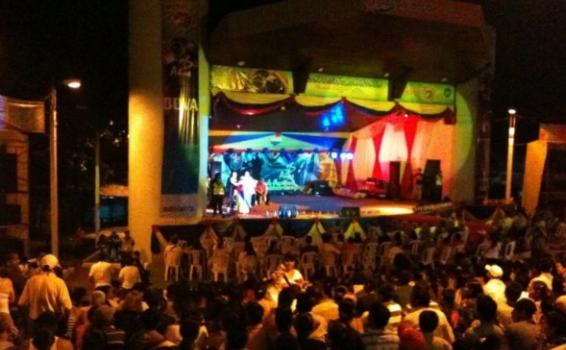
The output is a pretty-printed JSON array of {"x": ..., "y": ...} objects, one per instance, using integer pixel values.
[{"x": 368, "y": 257}]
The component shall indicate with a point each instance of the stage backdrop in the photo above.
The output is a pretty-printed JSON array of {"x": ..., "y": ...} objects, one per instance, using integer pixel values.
[{"x": 180, "y": 168}]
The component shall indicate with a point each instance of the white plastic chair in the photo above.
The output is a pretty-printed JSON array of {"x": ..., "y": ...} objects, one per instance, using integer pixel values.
[
  {"x": 172, "y": 259},
  {"x": 220, "y": 264},
  {"x": 308, "y": 264},
  {"x": 446, "y": 255},
  {"x": 287, "y": 245},
  {"x": 196, "y": 264},
  {"x": 383, "y": 248},
  {"x": 369, "y": 256},
  {"x": 509, "y": 252},
  {"x": 415, "y": 246},
  {"x": 428, "y": 257},
  {"x": 272, "y": 263},
  {"x": 328, "y": 261}
]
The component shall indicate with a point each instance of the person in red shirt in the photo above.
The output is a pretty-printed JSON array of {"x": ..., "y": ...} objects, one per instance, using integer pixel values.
[{"x": 261, "y": 191}]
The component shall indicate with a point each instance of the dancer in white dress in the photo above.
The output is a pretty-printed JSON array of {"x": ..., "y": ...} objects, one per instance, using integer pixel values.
[{"x": 248, "y": 187}]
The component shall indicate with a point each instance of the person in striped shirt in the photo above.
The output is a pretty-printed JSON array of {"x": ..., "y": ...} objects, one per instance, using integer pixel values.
[{"x": 377, "y": 335}]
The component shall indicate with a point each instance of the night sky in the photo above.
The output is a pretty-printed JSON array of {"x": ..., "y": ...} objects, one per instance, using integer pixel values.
[{"x": 45, "y": 41}]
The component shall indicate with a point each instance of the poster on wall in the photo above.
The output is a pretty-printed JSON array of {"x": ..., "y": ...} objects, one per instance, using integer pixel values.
[
  {"x": 180, "y": 169},
  {"x": 253, "y": 80}
]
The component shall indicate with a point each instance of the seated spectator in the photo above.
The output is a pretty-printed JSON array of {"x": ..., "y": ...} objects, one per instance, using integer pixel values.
[
  {"x": 486, "y": 324},
  {"x": 505, "y": 311},
  {"x": 377, "y": 335},
  {"x": 420, "y": 301},
  {"x": 257, "y": 339}
]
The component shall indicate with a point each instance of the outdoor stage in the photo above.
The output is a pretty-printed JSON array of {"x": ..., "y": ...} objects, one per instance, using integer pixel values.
[{"x": 329, "y": 207}]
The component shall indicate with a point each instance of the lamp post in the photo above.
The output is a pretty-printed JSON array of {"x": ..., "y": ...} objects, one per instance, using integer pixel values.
[
  {"x": 510, "y": 148},
  {"x": 53, "y": 159}
]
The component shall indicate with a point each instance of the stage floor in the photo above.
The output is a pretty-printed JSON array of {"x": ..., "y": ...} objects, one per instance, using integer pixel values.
[{"x": 329, "y": 206}]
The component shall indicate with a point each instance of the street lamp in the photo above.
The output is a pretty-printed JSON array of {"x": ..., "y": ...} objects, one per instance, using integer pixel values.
[
  {"x": 512, "y": 112},
  {"x": 53, "y": 175}
]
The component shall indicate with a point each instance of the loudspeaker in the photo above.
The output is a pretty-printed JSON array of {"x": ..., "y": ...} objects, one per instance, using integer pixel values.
[
  {"x": 394, "y": 179},
  {"x": 321, "y": 188},
  {"x": 350, "y": 212},
  {"x": 431, "y": 192}
]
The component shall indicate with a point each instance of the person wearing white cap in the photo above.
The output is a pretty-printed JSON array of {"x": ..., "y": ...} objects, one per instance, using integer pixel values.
[
  {"x": 45, "y": 291},
  {"x": 495, "y": 288}
]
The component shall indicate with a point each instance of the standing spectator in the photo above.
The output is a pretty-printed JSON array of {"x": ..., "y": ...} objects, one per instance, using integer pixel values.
[
  {"x": 45, "y": 292},
  {"x": 377, "y": 335},
  {"x": 420, "y": 301},
  {"x": 14, "y": 272},
  {"x": 523, "y": 333},
  {"x": 505, "y": 311},
  {"x": 129, "y": 274},
  {"x": 545, "y": 275},
  {"x": 7, "y": 293},
  {"x": 100, "y": 274},
  {"x": 386, "y": 294},
  {"x": 428, "y": 321},
  {"x": 486, "y": 325},
  {"x": 495, "y": 288},
  {"x": 218, "y": 194},
  {"x": 45, "y": 336},
  {"x": 114, "y": 246},
  {"x": 128, "y": 243},
  {"x": 257, "y": 339},
  {"x": 7, "y": 332}
]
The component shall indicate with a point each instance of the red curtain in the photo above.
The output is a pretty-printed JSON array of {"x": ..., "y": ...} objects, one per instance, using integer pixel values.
[
  {"x": 410, "y": 129},
  {"x": 377, "y": 138},
  {"x": 351, "y": 178}
]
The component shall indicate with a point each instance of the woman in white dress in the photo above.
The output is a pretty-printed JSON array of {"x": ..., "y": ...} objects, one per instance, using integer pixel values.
[{"x": 248, "y": 184}]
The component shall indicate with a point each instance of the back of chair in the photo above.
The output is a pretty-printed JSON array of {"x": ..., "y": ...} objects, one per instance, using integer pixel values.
[
  {"x": 196, "y": 257},
  {"x": 384, "y": 247},
  {"x": 428, "y": 258},
  {"x": 287, "y": 244},
  {"x": 446, "y": 254},
  {"x": 415, "y": 247},
  {"x": 272, "y": 261},
  {"x": 509, "y": 251},
  {"x": 309, "y": 258},
  {"x": 370, "y": 250}
]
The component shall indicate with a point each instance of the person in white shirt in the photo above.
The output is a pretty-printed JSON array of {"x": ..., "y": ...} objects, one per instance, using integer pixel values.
[
  {"x": 495, "y": 288},
  {"x": 291, "y": 274},
  {"x": 100, "y": 274},
  {"x": 45, "y": 291},
  {"x": 129, "y": 274},
  {"x": 545, "y": 275}
]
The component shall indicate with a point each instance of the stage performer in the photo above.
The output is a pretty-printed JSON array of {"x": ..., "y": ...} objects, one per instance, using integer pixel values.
[
  {"x": 261, "y": 191},
  {"x": 248, "y": 184},
  {"x": 231, "y": 188},
  {"x": 218, "y": 192}
]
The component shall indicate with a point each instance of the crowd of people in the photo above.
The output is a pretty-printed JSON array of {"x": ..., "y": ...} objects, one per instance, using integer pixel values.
[{"x": 477, "y": 297}]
